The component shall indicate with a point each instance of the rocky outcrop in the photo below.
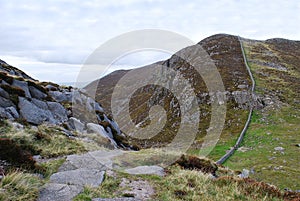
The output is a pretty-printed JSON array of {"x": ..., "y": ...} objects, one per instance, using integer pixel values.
[
  {"x": 29, "y": 101},
  {"x": 4, "y": 67}
]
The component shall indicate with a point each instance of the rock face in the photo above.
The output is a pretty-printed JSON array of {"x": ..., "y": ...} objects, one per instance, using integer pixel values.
[{"x": 23, "y": 98}]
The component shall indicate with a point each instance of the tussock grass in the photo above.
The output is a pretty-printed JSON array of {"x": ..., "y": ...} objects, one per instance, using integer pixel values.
[
  {"x": 180, "y": 184},
  {"x": 19, "y": 186},
  {"x": 46, "y": 141},
  {"x": 108, "y": 189},
  {"x": 194, "y": 185}
]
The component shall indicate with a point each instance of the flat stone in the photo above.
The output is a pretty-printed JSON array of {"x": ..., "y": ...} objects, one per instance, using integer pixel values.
[
  {"x": 84, "y": 161},
  {"x": 154, "y": 170},
  {"x": 140, "y": 189},
  {"x": 106, "y": 157},
  {"x": 41, "y": 104},
  {"x": 96, "y": 128},
  {"x": 59, "y": 192},
  {"x": 80, "y": 177}
]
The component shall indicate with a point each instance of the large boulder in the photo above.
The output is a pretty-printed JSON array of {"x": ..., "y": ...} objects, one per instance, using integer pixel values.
[
  {"x": 58, "y": 111},
  {"x": 23, "y": 85},
  {"x": 96, "y": 128},
  {"x": 35, "y": 93},
  {"x": 34, "y": 114},
  {"x": 38, "y": 112},
  {"x": 76, "y": 124}
]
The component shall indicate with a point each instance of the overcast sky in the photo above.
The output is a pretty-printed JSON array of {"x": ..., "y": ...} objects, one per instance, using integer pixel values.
[{"x": 50, "y": 40}]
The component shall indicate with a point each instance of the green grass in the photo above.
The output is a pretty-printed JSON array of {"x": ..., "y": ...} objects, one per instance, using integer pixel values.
[
  {"x": 19, "y": 186},
  {"x": 47, "y": 141},
  {"x": 280, "y": 130},
  {"x": 274, "y": 126},
  {"x": 182, "y": 184},
  {"x": 51, "y": 167}
]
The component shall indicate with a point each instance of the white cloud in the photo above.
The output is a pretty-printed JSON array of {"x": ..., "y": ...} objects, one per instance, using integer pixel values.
[{"x": 66, "y": 32}]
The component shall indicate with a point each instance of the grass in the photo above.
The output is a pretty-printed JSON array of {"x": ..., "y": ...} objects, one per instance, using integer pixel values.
[
  {"x": 180, "y": 184},
  {"x": 275, "y": 126},
  {"x": 19, "y": 186},
  {"x": 108, "y": 189},
  {"x": 51, "y": 167},
  {"x": 193, "y": 185},
  {"x": 278, "y": 168},
  {"x": 46, "y": 141}
]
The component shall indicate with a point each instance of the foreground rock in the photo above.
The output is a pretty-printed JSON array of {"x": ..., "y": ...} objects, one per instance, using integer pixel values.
[
  {"x": 89, "y": 170},
  {"x": 59, "y": 192}
]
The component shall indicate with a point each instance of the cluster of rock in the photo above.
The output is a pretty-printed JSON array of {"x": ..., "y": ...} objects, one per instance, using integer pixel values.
[
  {"x": 28, "y": 101},
  {"x": 90, "y": 169}
]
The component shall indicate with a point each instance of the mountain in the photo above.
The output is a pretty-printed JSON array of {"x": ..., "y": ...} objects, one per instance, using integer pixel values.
[
  {"x": 58, "y": 143},
  {"x": 226, "y": 53},
  {"x": 275, "y": 67}
]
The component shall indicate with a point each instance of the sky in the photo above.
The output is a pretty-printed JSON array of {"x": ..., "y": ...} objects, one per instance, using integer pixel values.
[{"x": 51, "y": 39}]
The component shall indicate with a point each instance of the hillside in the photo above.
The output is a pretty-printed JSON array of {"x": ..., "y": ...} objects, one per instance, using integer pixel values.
[
  {"x": 237, "y": 91},
  {"x": 275, "y": 67},
  {"x": 272, "y": 140}
]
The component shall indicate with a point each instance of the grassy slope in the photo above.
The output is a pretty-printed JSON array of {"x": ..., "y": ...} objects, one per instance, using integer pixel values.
[
  {"x": 275, "y": 126},
  {"x": 180, "y": 184}
]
